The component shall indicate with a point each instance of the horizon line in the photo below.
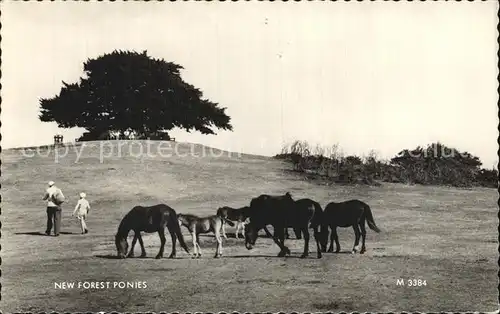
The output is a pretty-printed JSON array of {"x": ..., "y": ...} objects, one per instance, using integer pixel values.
[{"x": 379, "y": 158}]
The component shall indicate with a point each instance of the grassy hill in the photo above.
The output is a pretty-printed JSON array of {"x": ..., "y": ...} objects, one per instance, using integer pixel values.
[{"x": 445, "y": 236}]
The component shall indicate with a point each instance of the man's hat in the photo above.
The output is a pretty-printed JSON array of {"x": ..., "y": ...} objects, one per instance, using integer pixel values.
[{"x": 51, "y": 183}]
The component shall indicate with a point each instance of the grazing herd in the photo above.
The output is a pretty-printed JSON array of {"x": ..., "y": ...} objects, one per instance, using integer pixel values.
[{"x": 279, "y": 211}]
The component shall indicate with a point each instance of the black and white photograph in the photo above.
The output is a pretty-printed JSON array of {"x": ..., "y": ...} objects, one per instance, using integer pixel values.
[{"x": 249, "y": 156}]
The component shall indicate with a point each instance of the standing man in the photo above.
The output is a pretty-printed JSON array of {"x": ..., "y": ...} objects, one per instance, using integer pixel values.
[{"x": 54, "y": 197}]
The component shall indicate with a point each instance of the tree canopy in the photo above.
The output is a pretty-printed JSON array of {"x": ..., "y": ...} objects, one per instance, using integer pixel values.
[{"x": 129, "y": 91}]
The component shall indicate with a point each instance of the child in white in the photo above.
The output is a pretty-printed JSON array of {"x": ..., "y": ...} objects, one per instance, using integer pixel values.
[{"x": 82, "y": 208}]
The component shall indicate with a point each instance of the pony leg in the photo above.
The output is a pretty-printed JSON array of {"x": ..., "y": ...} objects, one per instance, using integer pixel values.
[
  {"x": 237, "y": 233},
  {"x": 336, "y": 238},
  {"x": 363, "y": 237},
  {"x": 198, "y": 244},
  {"x": 143, "y": 251},
  {"x": 242, "y": 224},
  {"x": 275, "y": 238},
  {"x": 218, "y": 250},
  {"x": 161, "y": 233},
  {"x": 297, "y": 232},
  {"x": 305, "y": 231},
  {"x": 174, "y": 241},
  {"x": 131, "y": 253},
  {"x": 332, "y": 238},
  {"x": 317, "y": 236},
  {"x": 224, "y": 230},
  {"x": 269, "y": 233},
  {"x": 279, "y": 238},
  {"x": 199, "y": 249},
  {"x": 195, "y": 245},
  {"x": 357, "y": 233}
]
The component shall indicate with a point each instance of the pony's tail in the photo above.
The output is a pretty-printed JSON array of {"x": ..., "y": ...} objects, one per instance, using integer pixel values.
[
  {"x": 178, "y": 233},
  {"x": 229, "y": 222},
  {"x": 370, "y": 220}
]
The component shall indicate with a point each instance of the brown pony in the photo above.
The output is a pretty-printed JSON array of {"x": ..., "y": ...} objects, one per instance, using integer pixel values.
[
  {"x": 345, "y": 214},
  {"x": 149, "y": 219}
]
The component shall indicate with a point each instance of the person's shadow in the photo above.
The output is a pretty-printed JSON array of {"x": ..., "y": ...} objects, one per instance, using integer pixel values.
[{"x": 38, "y": 233}]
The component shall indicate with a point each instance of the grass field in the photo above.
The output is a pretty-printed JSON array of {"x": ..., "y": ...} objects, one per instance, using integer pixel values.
[{"x": 445, "y": 236}]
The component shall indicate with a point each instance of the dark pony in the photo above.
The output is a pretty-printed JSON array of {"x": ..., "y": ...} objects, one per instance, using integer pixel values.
[
  {"x": 149, "y": 219},
  {"x": 282, "y": 212},
  {"x": 350, "y": 213}
]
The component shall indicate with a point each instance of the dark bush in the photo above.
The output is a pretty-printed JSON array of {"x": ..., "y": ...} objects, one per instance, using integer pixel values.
[{"x": 435, "y": 164}]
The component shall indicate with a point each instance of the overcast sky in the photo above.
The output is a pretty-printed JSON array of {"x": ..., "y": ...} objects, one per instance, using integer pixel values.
[{"x": 382, "y": 76}]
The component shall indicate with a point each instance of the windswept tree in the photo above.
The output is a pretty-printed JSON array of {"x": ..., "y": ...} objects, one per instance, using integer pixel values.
[{"x": 129, "y": 91}]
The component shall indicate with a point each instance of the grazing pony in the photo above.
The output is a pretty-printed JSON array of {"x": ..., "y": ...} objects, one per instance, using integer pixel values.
[
  {"x": 148, "y": 219},
  {"x": 234, "y": 214},
  {"x": 282, "y": 212},
  {"x": 349, "y": 213},
  {"x": 197, "y": 225}
]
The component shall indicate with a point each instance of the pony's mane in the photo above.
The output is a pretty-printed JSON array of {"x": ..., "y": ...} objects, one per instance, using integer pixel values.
[{"x": 121, "y": 229}]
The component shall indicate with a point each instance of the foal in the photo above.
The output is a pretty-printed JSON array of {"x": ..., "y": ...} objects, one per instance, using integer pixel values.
[
  {"x": 235, "y": 214},
  {"x": 197, "y": 225}
]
